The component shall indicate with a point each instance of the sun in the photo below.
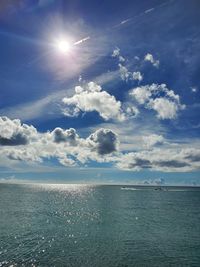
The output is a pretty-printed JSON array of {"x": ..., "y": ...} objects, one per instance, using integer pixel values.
[{"x": 63, "y": 46}]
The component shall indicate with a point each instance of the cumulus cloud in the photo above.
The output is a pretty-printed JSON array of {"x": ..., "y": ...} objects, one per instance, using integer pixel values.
[
  {"x": 104, "y": 141},
  {"x": 166, "y": 106},
  {"x": 101, "y": 146},
  {"x": 92, "y": 98},
  {"x": 149, "y": 57},
  {"x": 63, "y": 144},
  {"x": 137, "y": 76},
  {"x": 125, "y": 74},
  {"x": 141, "y": 94},
  {"x": 70, "y": 136},
  {"x": 116, "y": 53},
  {"x": 13, "y": 133}
]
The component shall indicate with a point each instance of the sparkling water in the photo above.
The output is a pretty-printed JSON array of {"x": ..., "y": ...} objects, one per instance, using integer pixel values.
[{"x": 83, "y": 225}]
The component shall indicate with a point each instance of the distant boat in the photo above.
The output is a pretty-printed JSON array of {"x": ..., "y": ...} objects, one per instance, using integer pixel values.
[{"x": 159, "y": 189}]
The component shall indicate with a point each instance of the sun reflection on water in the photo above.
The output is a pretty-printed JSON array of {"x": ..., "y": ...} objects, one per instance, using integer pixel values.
[{"x": 75, "y": 188}]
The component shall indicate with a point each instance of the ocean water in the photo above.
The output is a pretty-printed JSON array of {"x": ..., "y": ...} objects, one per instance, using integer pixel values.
[{"x": 97, "y": 226}]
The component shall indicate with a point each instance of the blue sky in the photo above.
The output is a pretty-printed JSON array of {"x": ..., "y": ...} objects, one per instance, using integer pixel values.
[{"x": 100, "y": 91}]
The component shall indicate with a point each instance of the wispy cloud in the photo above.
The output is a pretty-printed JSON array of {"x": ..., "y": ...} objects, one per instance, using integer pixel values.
[
  {"x": 145, "y": 12},
  {"x": 82, "y": 40},
  {"x": 44, "y": 107},
  {"x": 149, "y": 10},
  {"x": 50, "y": 105}
]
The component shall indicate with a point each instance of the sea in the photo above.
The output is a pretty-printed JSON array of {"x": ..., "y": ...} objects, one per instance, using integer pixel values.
[{"x": 99, "y": 225}]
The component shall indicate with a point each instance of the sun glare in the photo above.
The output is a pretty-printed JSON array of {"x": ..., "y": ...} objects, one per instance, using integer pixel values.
[{"x": 63, "y": 46}]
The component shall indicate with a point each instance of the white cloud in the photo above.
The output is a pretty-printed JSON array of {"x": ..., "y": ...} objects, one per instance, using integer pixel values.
[
  {"x": 65, "y": 161},
  {"x": 121, "y": 59},
  {"x": 150, "y": 58},
  {"x": 193, "y": 89},
  {"x": 129, "y": 76},
  {"x": 92, "y": 98},
  {"x": 141, "y": 94},
  {"x": 116, "y": 53},
  {"x": 166, "y": 106},
  {"x": 63, "y": 144},
  {"x": 12, "y": 132},
  {"x": 158, "y": 181},
  {"x": 153, "y": 139},
  {"x": 125, "y": 74},
  {"x": 166, "y": 160},
  {"x": 101, "y": 146},
  {"x": 27, "y": 154},
  {"x": 137, "y": 76}
]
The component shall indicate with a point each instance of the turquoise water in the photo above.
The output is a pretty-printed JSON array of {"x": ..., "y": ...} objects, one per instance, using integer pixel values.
[{"x": 97, "y": 226}]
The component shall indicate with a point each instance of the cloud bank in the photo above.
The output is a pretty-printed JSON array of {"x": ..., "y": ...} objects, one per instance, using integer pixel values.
[
  {"x": 21, "y": 142},
  {"x": 102, "y": 145}
]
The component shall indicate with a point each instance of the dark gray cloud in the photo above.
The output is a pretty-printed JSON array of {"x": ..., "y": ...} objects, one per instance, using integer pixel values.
[
  {"x": 15, "y": 140},
  {"x": 14, "y": 133},
  {"x": 193, "y": 158},
  {"x": 70, "y": 136},
  {"x": 104, "y": 141},
  {"x": 172, "y": 163},
  {"x": 141, "y": 163}
]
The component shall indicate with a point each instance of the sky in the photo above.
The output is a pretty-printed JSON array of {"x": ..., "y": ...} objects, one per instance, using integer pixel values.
[{"x": 100, "y": 91}]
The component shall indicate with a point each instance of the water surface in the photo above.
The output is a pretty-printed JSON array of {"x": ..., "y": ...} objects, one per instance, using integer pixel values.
[{"x": 97, "y": 226}]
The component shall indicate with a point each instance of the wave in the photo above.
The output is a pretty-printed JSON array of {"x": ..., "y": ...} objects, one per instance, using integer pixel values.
[{"x": 130, "y": 188}]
